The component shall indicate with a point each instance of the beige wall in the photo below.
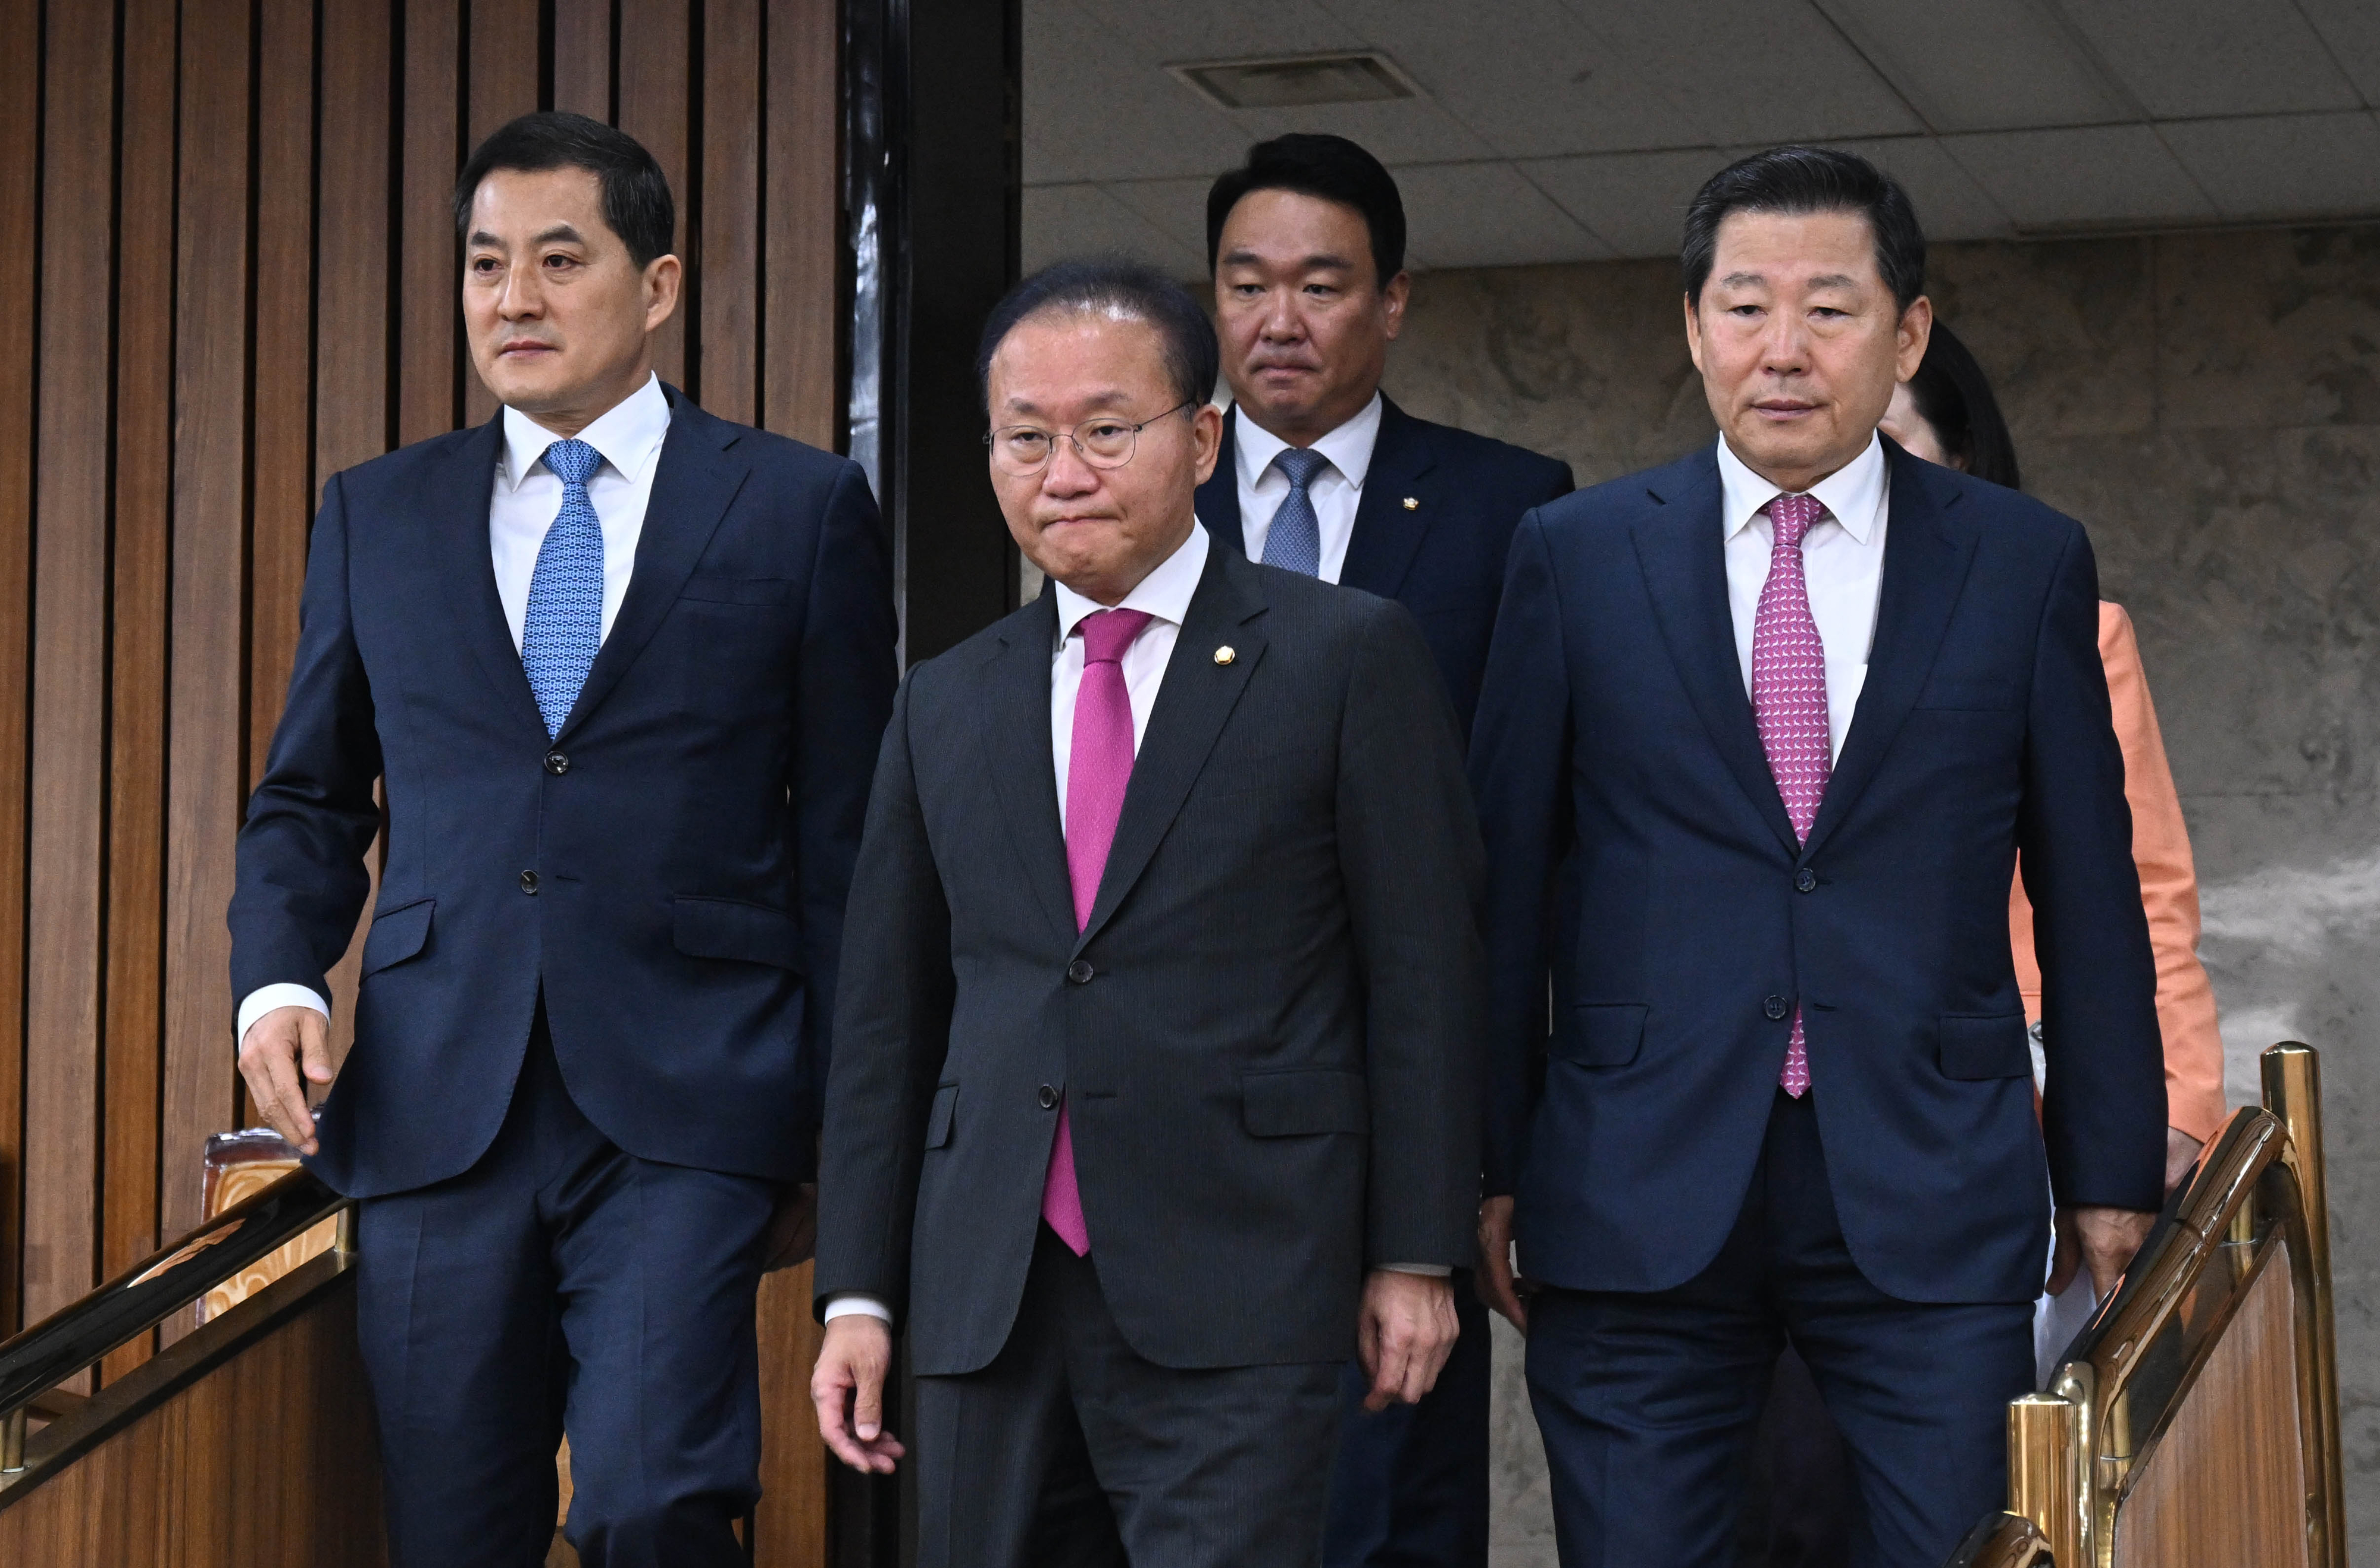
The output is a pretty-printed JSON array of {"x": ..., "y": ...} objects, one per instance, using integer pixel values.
[{"x": 2209, "y": 404}]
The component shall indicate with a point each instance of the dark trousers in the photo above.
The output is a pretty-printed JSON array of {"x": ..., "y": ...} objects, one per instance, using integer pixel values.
[
  {"x": 1410, "y": 1488},
  {"x": 1647, "y": 1401},
  {"x": 1070, "y": 1451},
  {"x": 561, "y": 1284},
  {"x": 1799, "y": 1506}
]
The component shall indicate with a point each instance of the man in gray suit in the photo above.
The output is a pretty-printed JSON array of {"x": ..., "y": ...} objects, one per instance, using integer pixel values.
[{"x": 1155, "y": 1091}]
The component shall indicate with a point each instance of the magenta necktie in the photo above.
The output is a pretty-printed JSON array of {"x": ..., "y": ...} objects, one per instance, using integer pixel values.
[
  {"x": 1098, "y": 767},
  {"x": 1789, "y": 701}
]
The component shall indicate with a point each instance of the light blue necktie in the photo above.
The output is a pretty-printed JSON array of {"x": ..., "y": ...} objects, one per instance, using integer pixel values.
[
  {"x": 564, "y": 623},
  {"x": 1295, "y": 541}
]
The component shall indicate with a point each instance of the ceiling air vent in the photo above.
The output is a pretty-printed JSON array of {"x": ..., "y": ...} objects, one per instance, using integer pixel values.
[{"x": 1299, "y": 81}]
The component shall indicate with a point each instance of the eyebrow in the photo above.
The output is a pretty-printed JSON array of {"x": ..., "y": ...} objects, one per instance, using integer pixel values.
[
  {"x": 1105, "y": 398},
  {"x": 1249, "y": 258},
  {"x": 565, "y": 232}
]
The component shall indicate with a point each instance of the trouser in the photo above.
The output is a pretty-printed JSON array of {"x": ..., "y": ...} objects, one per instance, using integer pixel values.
[
  {"x": 1410, "y": 1488},
  {"x": 1647, "y": 1401},
  {"x": 1071, "y": 1451},
  {"x": 561, "y": 1284}
]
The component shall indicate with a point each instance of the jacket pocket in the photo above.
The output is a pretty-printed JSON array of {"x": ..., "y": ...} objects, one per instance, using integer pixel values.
[
  {"x": 728, "y": 928},
  {"x": 1970, "y": 696},
  {"x": 1303, "y": 1101},
  {"x": 714, "y": 589},
  {"x": 938, "y": 1123},
  {"x": 1987, "y": 1046},
  {"x": 1601, "y": 1034},
  {"x": 397, "y": 934}
]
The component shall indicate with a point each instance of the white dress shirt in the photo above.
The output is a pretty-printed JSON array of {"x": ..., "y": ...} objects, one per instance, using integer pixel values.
[
  {"x": 1842, "y": 564},
  {"x": 1336, "y": 491},
  {"x": 527, "y": 499}
]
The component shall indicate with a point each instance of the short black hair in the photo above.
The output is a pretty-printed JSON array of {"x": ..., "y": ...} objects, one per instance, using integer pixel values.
[
  {"x": 636, "y": 201},
  {"x": 1330, "y": 167},
  {"x": 1954, "y": 396},
  {"x": 1118, "y": 286},
  {"x": 1809, "y": 179}
]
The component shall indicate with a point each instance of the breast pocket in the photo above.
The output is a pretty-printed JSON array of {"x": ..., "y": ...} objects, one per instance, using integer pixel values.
[
  {"x": 711, "y": 587},
  {"x": 1962, "y": 695}
]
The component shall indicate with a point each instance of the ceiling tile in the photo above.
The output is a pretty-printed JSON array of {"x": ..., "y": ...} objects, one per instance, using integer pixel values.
[
  {"x": 2351, "y": 30},
  {"x": 1077, "y": 220},
  {"x": 1754, "y": 72},
  {"x": 1178, "y": 208},
  {"x": 1094, "y": 111},
  {"x": 1487, "y": 215},
  {"x": 1635, "y": 201},
  {"x": 2288, "y": 165},
  {"x": 1949, "y": 204},
  {"x": 1980, "y": 65},
  {"x": 2185, "y": 58},
  {"x": 2097, "y": 175},
  {"x": 1163, "y": 35},
  {"x": 1406, "y": 130}
]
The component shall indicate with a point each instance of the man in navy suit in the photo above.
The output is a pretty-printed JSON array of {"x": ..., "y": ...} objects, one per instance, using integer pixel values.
[
  {"x": 620, "y": 669},
  {"x": 1763, "y": 733},
  {"x": 1320, "y": 473}
]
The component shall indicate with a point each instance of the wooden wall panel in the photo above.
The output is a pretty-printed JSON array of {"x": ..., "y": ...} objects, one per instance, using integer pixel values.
[
  {"x": 427, "y": 390},
  {"x": 582, "y": 57},
  {"x": 653, "y": 61},
  {"x": 727, "y": 224},
  {"x": 801, "y": 234}
]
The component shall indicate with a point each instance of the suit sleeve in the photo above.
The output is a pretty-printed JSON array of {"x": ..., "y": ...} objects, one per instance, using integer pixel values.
[
  {"x": 847, "y": 677},
  {"x": 301, "y": 880},
  {"x": 2103, "y": 1103},
  {"x": 1520, "y": 746},
  {"x": 1410, "y": 861},
  {"x": 892, "y": 1025}
]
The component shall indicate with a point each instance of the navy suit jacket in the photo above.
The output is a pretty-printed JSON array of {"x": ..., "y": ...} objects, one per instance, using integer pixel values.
[
  {"x": 669, "y": 870},
  {"x": 1443, "y": 559},
  {"x": 1639, "y": 855}
]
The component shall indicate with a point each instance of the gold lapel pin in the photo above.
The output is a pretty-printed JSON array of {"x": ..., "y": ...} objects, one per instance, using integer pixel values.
[
  {"x": 1224, "y": 654},
  {"x": 1412, "y": 503}
]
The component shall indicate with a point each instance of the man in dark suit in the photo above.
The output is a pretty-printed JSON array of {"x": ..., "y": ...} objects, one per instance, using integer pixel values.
[
  {"x": 1322, "y": 473},
  {"x": 620, "y": 669},
  {"x": 1752, "y": 781},
  {"x": 1154, "y": 1097}
]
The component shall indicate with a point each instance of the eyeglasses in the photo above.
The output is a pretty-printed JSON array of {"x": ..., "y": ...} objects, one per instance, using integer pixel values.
[{"x": 1103, "y": 442}]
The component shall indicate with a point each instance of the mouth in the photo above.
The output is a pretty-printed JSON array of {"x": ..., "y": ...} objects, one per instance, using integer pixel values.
[
  {"x": 525, "y": 348},
  {"x": 1783, "y": 410}
]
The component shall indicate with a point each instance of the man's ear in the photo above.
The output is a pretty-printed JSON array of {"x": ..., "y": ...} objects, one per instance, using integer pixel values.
[
  {"x": 1393, "y": 299},
  {"x": 1911, "y": 336},
  {"x": 664, "y": 278},
  {"x": 1694, "y": 333}
]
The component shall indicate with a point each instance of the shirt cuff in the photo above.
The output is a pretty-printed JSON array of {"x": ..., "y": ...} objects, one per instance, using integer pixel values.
[
  {"x": 851, "y": 1303},
  {"x": 264, "y": 998},
  {"x": 1434, "y": 1271}
]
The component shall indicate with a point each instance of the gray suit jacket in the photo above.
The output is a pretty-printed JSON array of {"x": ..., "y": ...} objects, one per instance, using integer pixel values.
[{"x": 1268, "y": 1034}]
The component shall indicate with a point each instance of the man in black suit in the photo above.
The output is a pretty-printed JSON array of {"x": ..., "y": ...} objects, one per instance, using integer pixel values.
[
  {"x": 1322, "y": 473},
  {"x": 620, "y": 669},
  {"x": 1154, "y": 1096},
  {"x": 1762, "y": 736}
]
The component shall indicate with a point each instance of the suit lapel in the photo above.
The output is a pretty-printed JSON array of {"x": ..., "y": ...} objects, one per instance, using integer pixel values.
[
  {"x": 697, "y": 476},
  {"x": 1193, "y": 702},
  {"x": 1681, "y": 551},
  {"x": 1388, "y": 533},
  {"x": 1219, "y": 498},
  {"x": 1016, "y": 747},
  {"x": 464, "y": 561},
  {"x": 1925, "y": 559}
]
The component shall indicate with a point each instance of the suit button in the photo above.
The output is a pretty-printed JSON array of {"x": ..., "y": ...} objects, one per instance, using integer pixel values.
[
  {"x": 529, "y": 883},
  {"x": 1080, "y": 971},
  {"x": 1806, "y": 880},
  {"x": 556, "y": 764},
  {"x": 1049, "y": 1098},
  {"x": 1775, "y": 1007}
]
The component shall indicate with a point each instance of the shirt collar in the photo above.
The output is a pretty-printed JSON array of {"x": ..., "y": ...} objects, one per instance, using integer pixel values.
[
  {"x": 1348, "y": 447},
  {"x": 1165, "y": 592},
  {"x": 1851, "y": 494},
  {"x": 627, "y": 435}
]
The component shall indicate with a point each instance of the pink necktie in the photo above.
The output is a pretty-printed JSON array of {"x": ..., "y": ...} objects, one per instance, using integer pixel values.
[
  {"x": 1097, "y": 768},
  {"x": 1789, "y": 701}
]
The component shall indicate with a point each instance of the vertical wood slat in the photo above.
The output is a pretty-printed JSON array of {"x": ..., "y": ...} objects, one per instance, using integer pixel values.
[
  {"x": 70, "y": 751},
  {"x": 500, "y": 60},
  {"x": 427, "y": 271},
  {"x": 727, "y": 227},
  {"x": 801, "y": 264},
  {"x": 655, "y": 47},
  {"x": 135, "y": 818},
  {"x": 582, "y": 57}
]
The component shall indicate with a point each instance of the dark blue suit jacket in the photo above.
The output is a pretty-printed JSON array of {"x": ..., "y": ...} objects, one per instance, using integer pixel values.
[
  {"x": 671, "y": 869},
  {"x": 1443, "y": 559},
  {"x": 1638, "y": 850}
]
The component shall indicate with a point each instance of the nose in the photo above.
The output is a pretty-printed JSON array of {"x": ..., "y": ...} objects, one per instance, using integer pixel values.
[
  {"x": 1785, "y": 346},
  {"x": 1282, "y": 321},
  {"x": 1067, "y": 474},
  {"x": 522, "y": 295}
]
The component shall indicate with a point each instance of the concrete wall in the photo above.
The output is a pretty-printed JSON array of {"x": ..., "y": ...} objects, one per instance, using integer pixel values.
[{"x": 2209, "y": 404}]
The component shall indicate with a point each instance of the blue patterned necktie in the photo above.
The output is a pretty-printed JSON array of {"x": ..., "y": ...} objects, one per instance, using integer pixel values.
[
  {"x": 564, "y": 623},
  {"x": 1295, "y": 541}
]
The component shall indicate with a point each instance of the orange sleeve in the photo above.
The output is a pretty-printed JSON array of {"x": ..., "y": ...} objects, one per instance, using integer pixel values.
[{"x": 2185, "y": 1000}]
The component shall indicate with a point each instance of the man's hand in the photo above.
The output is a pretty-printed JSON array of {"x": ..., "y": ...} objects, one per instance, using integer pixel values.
[
  {"x": 847, "y": 1387},
  {"x": 2180, "y": 1154},
  {"x": 1498, "y": 1286},
  {"x": 1405, "y": 1331},
  {"x": 793, "y": 1229},
  {"x": 2105, "y": 1239},
  {"x": 286, "y": 1054}
]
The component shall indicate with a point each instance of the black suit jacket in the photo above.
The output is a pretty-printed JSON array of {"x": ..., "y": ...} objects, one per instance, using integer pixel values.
[
  {"x": 669, "y": 870},
  {"x": 1266, "y": 1035},
  {"x": 1443, "y": 558},
  {"x": 1615, "y": 739}
]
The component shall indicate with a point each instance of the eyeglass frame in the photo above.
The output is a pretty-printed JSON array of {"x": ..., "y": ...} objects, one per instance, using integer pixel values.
[{"x": 1068, "y": 434}]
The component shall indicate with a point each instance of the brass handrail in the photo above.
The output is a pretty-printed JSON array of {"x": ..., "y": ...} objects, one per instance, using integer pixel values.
[{"x": 79, "y": 1335}]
